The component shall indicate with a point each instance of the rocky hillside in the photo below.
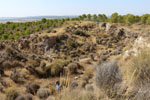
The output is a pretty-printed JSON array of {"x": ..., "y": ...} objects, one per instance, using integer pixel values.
[{"x": 30, "y": 65}]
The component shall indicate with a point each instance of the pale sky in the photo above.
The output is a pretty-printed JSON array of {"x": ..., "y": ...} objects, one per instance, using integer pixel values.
[{"x": 24, "y": 8}]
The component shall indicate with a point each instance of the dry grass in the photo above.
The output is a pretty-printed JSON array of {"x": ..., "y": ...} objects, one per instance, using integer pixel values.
[
  {"x": 57, "y": 67},
  {"x": 12, "y": 94},
  {"x": 137, "y": 69},
  {"x": 76, "y": 94}
]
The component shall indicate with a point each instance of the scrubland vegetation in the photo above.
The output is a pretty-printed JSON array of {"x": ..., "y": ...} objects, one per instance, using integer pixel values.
[
  {"x": 128, "y": 81},
  {"x": 12, "y": 30},
  {"x": 94, "y": 57}
]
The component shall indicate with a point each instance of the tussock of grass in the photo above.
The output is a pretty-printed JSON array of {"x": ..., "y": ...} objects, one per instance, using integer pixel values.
[{"x": 137, "y": 70}]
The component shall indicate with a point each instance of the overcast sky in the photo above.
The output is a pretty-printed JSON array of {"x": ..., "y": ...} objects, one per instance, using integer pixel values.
[{"x": 23, "y": 8}]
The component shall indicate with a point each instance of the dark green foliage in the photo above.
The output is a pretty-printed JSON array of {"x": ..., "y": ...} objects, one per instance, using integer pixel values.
[
  {"x": 84, "y": 16},
  {"x": 130, "y": 19},
  {"x": 44, "y": 20},
  {"x": 102, "y": 17},
  {"x": 94, "y": 17},
  {"x": 12, "y": 30},
  {"x": 114, "y": 18},
  {"x": 4, "y": 36},
  {"x": 148, "y": 21},
  {"x": 144, "y": 18},
  {"x": 89, "y": 17},
  {"x": 27, "y": 32},
  {"x": 81, "y": 17}
]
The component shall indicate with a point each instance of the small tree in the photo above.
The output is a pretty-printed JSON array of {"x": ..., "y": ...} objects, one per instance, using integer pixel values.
[
  {"x": 130, "y": 19},
  {"x": 89, "y": 17},
  {"x": 114, "y": 18},
  {"x": 67, "y": 19},
  {"x": 137, "y": 18},
  {"x": 121, "y": 19},
  {"x": 144, "y": 18},
  {"x": 44, "y": 20},
  {"x": 84, "y": 16},
  {"x": 94, "y": 17},
  {"x": 102, "y": 17},
  {"x": 81, "y": 17},
  {"x": 148, "y": 21}
]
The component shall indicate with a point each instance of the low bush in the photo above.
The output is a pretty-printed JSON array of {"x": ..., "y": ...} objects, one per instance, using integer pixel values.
[
  {"x": 107, "y": 76},
  {"x": 12, "y": 94},
  {"x": 73, "y": 67},
  {"x": 71, "y": 43},
  {"x": 81, "y": 33},
  {"x": 57, "y": 67},
  {"x": 32, "y": 88},
  {"x": 43, "y": 93},
  {"x": 25, "y": 97}
]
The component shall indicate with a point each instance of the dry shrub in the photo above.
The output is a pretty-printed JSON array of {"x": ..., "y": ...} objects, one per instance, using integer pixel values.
[
  {"x": 6, "y": 64},
  {"x": 50, "y": 98},
  {"x": 52, "y": 90},
  {"x": 143, "y": 93},
  {"x": 76, "y": 94},
  {"x": 57, "y": 67},
  {"x": 25, "y": 97},
  {"x": 16, "y": 64},
  {"x": 12, "y": 94},
  {"x": 42, "y": 72},
  {"x": 107, "y": 76},
  {"x": 34, "y": 63},
  {"x": 53, "y": 69},
  {"x": 9, "y": 64},
  {"x": 32, "y": 88},
  {"x": 137, "y": 69},
  {"x": 43, "y": 93},
  {"x": 73, "y": 67},
  {"x": 89, "y": 72}
]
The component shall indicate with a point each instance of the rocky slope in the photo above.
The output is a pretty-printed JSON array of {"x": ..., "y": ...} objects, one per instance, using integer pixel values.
[{"x": 38, "y": 60}]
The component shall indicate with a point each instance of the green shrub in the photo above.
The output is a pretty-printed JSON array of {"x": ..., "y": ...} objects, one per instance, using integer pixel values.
[
  {"x": 27, "y": 32},
  {"x": 10, "y": 37},
  {"x": 44, "y": 20},
  {"x": 49, "y": 31},
  {"x": 4, "y": 36},
  {"x": 71, "y": 43}
]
